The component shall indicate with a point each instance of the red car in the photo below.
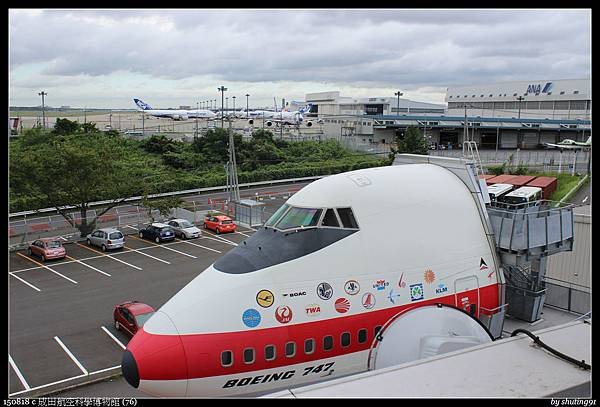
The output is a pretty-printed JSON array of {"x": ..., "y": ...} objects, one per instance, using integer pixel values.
[
  {"x": 219, "y": 224},
  {"x": 131, "y": 316},
  {"x": 47, "y": 248}
]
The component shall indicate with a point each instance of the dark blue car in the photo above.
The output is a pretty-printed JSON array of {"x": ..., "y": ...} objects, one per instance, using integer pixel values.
[{"x": 159, "y": 232}]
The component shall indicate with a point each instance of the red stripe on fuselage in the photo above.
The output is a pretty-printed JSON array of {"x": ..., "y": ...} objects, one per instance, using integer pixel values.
[{"x": 203, "y": 351}]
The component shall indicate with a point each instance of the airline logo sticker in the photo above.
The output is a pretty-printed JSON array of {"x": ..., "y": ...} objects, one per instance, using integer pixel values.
[
  {"x": 294, "y": 294},
  {"x": 352, "y": 287},
  {"x": 368, "y": 300},
  {"x": 324, "y": 291},
  {"x": 265, "y": 298},
  {"x": 416, "y": 292},
  {"x": 283, "y": 314},
  {"x": 392, "y": 296},
  {"x": 441, "y": 288},
  {"x": 312, "y": 310},
  {"x": 251, "y": 318},
  {"x": 380, "y": 285},
  {"x": 342, "y": 305},
  {"x": 482, "y": 265},
  {"x": 429, "y": 276},
  {"x": 401, "y": 283}
]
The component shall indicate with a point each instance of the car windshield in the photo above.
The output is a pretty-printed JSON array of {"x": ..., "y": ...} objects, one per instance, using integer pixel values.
[
  {"x": 116, "y": 235},
  {"x": 142, "y": 318},
  {"x": 226, "y": 222},
  {"x": 185, "y": 224},
  {"x": 55, "y": 244},
  {"x": 299, "y": 217}
]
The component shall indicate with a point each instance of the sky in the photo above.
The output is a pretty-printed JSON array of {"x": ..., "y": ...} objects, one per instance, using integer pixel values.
[{"x": 105, "y": 58}]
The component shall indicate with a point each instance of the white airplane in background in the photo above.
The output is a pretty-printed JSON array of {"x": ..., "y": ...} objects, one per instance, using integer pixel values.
[
  {"x": 176, "y": 114},
  {"x": 569, "y": 144},
  {"x": 281, "y": 117}
]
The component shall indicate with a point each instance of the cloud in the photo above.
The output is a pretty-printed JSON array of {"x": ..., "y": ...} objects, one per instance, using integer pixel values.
[{"x": 408, "y": 49}]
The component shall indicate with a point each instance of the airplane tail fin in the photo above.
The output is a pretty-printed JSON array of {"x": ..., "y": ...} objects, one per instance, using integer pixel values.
[
  {"x": 589, "y": 141},
  {"x": 142, "y": 105},
  {"x": 306, "y": 108}
]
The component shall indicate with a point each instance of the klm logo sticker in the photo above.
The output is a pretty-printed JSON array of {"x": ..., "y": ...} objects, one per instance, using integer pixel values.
[{"x": 537, "y": 88}]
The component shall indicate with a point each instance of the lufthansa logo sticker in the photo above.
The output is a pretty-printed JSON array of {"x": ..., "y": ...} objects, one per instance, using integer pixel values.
[{"x": 265, "y": 298}]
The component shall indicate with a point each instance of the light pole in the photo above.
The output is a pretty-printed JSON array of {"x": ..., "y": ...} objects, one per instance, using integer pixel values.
[
  {"x": 247, "y": 96},
  {"x": 197, "y": 118},
  {"x": 398, "y": 108},
  {"x": 520, "y": 99},
  {"x": 233, "y": 97},
  {"x": 222, "y": 89},
  {"x": 227, "y": 105},
  {"x": 42, "y": 94}
]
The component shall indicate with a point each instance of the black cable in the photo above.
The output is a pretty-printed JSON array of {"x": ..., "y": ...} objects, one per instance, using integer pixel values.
[{"x": 537, "y": 341}]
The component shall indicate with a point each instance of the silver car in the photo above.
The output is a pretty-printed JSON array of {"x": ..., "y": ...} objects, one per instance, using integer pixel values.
[
  {"x": 107, "y": 238},
  {"x": 184, "y": 228}
]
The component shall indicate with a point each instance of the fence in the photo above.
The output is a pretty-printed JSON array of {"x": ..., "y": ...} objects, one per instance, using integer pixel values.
[{"x": 568, "y": 296}]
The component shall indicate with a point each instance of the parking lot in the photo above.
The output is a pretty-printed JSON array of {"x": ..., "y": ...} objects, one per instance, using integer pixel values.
[{"x": 61, "y": 323}]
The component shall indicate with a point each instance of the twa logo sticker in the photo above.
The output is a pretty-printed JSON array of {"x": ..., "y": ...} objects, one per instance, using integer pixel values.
[
  {"x": 265, "y": 298},
  {"x": 283, "y": 314},
  {"x": 312, "y": 310},
  {"x": 380, "y": 285},
  {"x": 342, "y": 305},
  {"x": 482, "y": 265},
  {"x": 352, "y": 287},
  {"x": 251, "y": 318},
  {"x": 368, "y": 300},
  {"x": 324, "y": 291},
  {"x": 429, "y": 276},
  {"x": 416, "y": 292}
]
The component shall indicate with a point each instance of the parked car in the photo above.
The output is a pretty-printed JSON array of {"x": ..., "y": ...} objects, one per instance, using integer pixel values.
[
  {"x": 159, "y": 232},
  {"x": 219, "y": 224},
  {"x": 107, "y": 238},
  {"x": 130, "y": 316},
  {"x": 184, "y": 228},
  {"x": 47, "y": 248}
]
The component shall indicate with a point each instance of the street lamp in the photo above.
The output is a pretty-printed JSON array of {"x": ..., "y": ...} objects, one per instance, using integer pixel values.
[
  {"x": 520, "y": 99},
  {"x": 222, "y": 89},
  {"x": 42, "y": 94},
  {"x": 398, "y": 108},
  {"x": 247, "y": 96},
  {"x": 197, "y": 108},
  {"x": 233, "y": 97},
  {"x": 227, "y": 105}
]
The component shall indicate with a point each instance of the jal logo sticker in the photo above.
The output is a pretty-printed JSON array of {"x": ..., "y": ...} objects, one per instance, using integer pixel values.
[
  {"x": 416, "y": 292},
  {"x": 294, "y": 294},
  {"x": 283, "y": 314},
  {"x": 265, "y": 298},
  {"x": 342, "y": 305},
  {"x": 393, "y": 296},
  {"x": 380, "y": 285},
  {"x": 368, "y": 300},
  {"x": 312, "y": 310},
  {"x": 429, "y": 276},
  {"x": 251, "y": 318},
  {"x": 352, "y": 287},
  {"x": 324, "y": 291},
  {"x": 441, "y": 288}
]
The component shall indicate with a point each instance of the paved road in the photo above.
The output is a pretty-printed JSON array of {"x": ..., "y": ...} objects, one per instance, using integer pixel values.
[{"x": 583, "y": 196}]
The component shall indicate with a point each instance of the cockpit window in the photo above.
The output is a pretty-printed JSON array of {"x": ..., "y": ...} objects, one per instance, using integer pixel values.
[
  {"x": 330, "y": 219},
  {"x": 347, "y": 218},
  {"x": 273, "y": 219},
  {"x": 299, "y": 217}
]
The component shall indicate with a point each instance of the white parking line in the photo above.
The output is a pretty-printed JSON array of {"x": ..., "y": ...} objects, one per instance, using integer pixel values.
[
  {"x": 220, "y": 240},
  {"x": 87, "y": 265},
  {"x": 73, "y": 358},
  {"x": 66, "y": 240},
  {"x": 48, "y": 268},
  {"x": 18, "y": 372},
  {"x": 199, "y": 245},
  {"x": 146, "y": 254},
  {"x": 20, "y": 279},
  {"x": 109, "y": 255},
  {"x": 243, "y": 234},
  {"x": 127, "y": 226},
  {"x": 113, "y": 337},
  {"x": 185, "y": 254}
]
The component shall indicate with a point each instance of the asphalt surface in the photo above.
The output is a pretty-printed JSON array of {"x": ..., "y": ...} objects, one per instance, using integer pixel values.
[{"x": 583, "y": 196}]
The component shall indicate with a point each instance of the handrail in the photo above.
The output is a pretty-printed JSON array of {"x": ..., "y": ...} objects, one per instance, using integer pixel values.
[{"x": 185, "y": 192}]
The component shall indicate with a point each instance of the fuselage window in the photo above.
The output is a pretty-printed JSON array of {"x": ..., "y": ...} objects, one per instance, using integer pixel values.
[
  {"x": 299, "y": 217},
  {"x": 347, "y": 218},
  {"x": 270, "y": 352},
  {"x": 309, "y": 346},
  {"x": 345, "y": 339},
  {"x": 330, "y": 219},
  {"x": 226, "y": 358},
  {"x": 328, "y": 342},
  {"x": 249, "y": 355},
  {"x": 290, "y": 349},
  {"x": 362, "y": 336}
]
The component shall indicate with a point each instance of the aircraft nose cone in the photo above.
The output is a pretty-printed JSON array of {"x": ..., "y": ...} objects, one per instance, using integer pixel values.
[{"x": 129, "y": 369}]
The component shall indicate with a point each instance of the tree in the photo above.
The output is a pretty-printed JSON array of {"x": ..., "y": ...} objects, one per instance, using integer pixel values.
[
  {"x": 163, "y": 205},
  {"x": 65, "y": 126},
  {"x": 413, "y": 142},
  {"x": 75, "y": 170}
]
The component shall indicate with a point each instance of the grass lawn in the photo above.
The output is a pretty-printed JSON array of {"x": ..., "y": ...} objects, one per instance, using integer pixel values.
[{"x": 34, "y": 113}]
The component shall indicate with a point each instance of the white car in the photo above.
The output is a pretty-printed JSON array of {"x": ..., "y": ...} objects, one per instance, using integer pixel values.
[{"x": 184, "y": 228}]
